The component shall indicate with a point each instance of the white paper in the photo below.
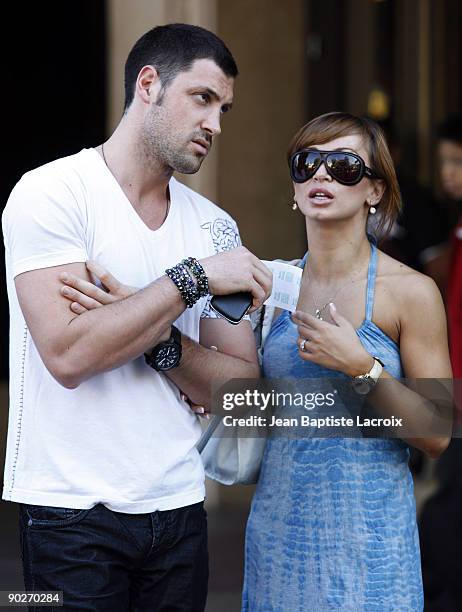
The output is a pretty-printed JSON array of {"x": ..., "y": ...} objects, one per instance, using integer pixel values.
[{"x": 286, "y": 285}]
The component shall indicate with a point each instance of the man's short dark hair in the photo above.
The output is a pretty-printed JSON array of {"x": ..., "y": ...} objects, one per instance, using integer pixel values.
[
  {"x": 451, "y": 129},
  {"x": 172, "y": 49}
]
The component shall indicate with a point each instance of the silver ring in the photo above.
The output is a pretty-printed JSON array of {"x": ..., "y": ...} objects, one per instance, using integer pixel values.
[{"x": 302, "y": 344}]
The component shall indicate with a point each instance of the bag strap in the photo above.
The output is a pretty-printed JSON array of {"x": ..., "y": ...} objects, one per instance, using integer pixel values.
[{"x": 207, "y": 433}]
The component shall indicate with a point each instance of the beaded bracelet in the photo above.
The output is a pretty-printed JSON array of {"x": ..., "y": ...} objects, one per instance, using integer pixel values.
[
  {"x": 202, "y": 283},
  {"x": 183, "y": 281}
]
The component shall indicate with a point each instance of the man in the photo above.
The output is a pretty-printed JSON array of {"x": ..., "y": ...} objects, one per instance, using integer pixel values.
[
  {"x": 440, "y": 525},
  {"x": 101, "y": 447},
  {"x": 450, "y": 158}
]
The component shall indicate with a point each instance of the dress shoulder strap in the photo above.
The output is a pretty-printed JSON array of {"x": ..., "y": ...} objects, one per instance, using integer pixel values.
[{"x": 371, "y": 274}]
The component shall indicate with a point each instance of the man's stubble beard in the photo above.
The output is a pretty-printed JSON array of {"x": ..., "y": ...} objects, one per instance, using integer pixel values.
[{"x": 163, "y": 143}]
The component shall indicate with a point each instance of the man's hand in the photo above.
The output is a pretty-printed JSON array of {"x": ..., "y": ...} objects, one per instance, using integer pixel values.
[
  {"x": 238, "y": 270},
  {"x": 201, "y": 411},
  {"x": 84, "y": 295}
]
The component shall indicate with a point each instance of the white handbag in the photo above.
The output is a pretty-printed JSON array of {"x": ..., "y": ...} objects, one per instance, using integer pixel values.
[{"x": 228, "y": 457}]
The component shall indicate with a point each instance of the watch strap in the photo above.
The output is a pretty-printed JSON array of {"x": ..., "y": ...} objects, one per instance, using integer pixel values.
[
  {"x": 376, "y": 370},
  {"x": 175, "y": 336},
  {"x": 364, "y": 383}
]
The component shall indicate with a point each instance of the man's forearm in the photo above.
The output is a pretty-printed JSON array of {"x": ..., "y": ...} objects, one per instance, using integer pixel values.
[
  {"x": 200, "y": 368},
  {"x": 107, "y": 337}
]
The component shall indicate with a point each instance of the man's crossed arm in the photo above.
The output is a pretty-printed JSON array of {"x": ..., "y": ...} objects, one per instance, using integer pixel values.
[{"x": 75, "y": 347}]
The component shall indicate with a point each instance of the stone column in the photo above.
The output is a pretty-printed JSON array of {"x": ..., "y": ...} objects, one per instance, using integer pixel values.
[{"x": 127, "y": 21}]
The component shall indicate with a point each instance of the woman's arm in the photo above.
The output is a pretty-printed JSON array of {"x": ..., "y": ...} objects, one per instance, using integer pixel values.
[
  {"x": 425, "y": 359},
  {"x": 424, "y": 402}
]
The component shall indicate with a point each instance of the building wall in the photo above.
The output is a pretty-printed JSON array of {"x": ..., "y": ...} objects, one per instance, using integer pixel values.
[{"x": 267, "y": 39}]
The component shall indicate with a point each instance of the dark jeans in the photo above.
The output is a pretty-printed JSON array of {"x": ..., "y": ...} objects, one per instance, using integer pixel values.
[{"x": 104, "y": 560}]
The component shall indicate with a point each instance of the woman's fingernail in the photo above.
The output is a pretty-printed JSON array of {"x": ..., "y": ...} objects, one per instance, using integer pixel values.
[
  {"x": 64, "y": 277},
  {"x": 65, "y": 291}
]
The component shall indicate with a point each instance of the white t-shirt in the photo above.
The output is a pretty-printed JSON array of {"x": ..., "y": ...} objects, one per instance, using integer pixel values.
[{"x": 123, "y": 438}]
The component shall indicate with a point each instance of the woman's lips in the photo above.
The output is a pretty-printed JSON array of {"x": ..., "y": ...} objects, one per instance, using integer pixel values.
[{"x": 320, "y": 195}]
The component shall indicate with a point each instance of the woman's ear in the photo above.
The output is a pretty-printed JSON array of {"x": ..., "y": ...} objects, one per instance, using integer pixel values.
[{"x": 377, "y": 190}]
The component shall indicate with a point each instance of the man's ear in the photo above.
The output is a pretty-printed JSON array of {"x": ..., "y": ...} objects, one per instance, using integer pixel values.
[{"x": 148, "y": 84}]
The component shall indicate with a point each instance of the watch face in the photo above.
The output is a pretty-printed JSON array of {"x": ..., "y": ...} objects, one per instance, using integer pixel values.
[
  {"x": 168, "y": 357},
  {"x": 362, "y": 386}
]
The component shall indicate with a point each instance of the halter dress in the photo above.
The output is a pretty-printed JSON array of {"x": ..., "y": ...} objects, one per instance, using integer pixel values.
[{"x": 333, "y": 523}]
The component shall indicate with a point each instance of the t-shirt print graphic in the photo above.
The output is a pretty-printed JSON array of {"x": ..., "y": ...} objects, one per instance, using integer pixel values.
[
  {"x": 225, "y": 237},
  {"x": 224, "y": 234}
]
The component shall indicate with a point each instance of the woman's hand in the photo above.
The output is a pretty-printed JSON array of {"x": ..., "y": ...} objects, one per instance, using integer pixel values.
[
  {"x": 336, "y": 347},
  {"x": 84, "y": 295},
  {"x": 200, "y": 411}
]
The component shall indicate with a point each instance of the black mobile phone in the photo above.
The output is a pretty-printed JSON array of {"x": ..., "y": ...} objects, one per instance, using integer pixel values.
[{"x": 233, "y": 306}]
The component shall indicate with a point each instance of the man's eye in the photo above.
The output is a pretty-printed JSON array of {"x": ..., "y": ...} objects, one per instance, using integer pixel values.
[
  {"x": 203, "y": 98},
  {"x": 225, "y": 109}
]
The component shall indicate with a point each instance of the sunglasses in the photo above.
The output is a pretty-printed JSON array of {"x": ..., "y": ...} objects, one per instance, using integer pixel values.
[{"x": 345, "y": 167}]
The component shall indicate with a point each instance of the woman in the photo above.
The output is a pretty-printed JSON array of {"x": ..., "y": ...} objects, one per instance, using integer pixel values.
[{"x": 332, "y": 524}]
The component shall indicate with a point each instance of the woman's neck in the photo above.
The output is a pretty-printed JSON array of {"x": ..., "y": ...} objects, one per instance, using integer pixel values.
[{"x": 335, "y": 252}]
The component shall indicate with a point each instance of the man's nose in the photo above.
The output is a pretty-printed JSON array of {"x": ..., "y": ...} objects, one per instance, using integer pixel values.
[{"x": 211, "y": 123}]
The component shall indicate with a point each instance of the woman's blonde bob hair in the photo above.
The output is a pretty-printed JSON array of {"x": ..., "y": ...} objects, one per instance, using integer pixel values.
[{"x": 330, "y": 126}]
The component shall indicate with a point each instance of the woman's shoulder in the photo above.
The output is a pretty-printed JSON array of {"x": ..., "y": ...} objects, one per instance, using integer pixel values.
[{"x": 407, "y": 285}]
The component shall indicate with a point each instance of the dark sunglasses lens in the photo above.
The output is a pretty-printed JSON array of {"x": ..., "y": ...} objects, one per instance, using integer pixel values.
[
  {"x": 304, "y": 165},
  {"x": 345, "y": 168}
]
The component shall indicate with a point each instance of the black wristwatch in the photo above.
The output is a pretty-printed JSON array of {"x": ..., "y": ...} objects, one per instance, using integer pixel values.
[{"x": 166, "y": 355}]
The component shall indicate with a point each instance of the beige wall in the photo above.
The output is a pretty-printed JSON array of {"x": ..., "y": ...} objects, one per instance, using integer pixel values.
[
  {"x": 360, "y": 55},
  {"x": 127, "y": 21},
  {"x": 267, "y": 39}
]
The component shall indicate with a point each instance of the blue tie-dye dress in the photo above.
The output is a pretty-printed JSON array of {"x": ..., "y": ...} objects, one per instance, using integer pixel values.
[{"x": 333, "y": 523}]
